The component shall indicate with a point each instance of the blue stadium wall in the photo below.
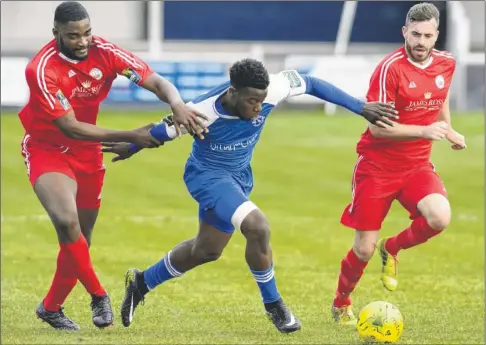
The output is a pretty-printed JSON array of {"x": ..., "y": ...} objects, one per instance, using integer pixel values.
[{"x": 308, "y": 21}]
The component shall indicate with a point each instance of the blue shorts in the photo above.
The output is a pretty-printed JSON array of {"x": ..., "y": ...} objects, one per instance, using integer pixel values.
[{"x": 218, "y": 192}]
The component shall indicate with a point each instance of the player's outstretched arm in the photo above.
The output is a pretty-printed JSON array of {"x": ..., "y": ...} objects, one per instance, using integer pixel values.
[
  {"x": 183, "y": 115},
  {"x": 399, "y": 132},
  {"x": 436, "y": 131},
  {"x": 121, "y": 150},
  {"x": 75, "y": 129},
  {"x": 163, "y": 131},
  {"x": 375, "y": 112},
  {"x": 135, "y": 69}
]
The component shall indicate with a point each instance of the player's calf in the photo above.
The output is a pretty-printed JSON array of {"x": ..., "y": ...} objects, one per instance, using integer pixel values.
[
  {"x": 435, "y": 217},
  {"x": 206, "y": 247},
  {"x": 256, "y": 229},
  {"x": 352, "y": 268}
]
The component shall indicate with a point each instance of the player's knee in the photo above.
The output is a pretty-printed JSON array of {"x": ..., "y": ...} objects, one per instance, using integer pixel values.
[
  {"x": 203, "y": 255},
  {"x": 439, "y": 220},
  {"x": 364, "y": 251},
  {"x": 255, "y": 227},
  {"x": 66, "y": 223},
  {"x": 364, "y": 244},
  {"x": 436, "y": 210}
]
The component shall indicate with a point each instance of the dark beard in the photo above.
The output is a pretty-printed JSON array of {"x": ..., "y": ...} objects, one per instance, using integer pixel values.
[
  {"x": 409, "y": 50},
  {"x": 69, "y": 53}
]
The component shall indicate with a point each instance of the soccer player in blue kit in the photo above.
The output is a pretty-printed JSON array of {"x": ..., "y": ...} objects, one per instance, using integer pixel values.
[{"x": 218, "y": 176}]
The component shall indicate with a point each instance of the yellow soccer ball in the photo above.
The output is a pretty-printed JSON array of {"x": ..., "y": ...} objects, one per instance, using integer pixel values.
[{"x": 380, "y": 322}]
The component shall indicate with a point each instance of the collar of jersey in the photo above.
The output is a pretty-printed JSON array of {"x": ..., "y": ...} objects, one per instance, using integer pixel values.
[
  {"x": 67, "y": 59},
  {"x": 431, "y": 58},
  {"x": 219, "y": 109}
]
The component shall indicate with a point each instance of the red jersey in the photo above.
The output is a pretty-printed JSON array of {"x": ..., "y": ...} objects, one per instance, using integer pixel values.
[
  {"x": 59, "y": 85},
  {"x": 418, "y": 93}
]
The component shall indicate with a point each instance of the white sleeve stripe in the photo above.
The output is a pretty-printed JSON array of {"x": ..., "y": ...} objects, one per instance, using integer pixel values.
[
  {"x": 41, "y": 79},
  {"x": 120, "y": 53},
  {"x": 383, "y": 75}
]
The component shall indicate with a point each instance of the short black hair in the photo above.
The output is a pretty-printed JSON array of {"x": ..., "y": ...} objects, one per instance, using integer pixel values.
[
  {"x": 70, "y": 11},
  {"x": 249, "y": 73}
]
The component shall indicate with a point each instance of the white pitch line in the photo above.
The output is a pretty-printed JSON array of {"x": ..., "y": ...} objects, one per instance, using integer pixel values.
[
  {"x": 136, "y": 219},
  {"x": 180, "y": 218},
  {"x": 140, "y": 219}
]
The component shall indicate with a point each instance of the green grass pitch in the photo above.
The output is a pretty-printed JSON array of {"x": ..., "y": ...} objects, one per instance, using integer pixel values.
[{"x": 302, "y": 169}]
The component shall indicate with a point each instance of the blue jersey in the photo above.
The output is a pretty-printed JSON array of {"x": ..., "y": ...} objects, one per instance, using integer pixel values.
[
  {"x": 230, "y": 142},
  {"x": 218, "y": 173}
]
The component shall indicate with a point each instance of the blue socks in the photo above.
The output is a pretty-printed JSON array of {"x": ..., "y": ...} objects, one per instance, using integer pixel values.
[
  {"x": 163, "y": 271},
  {"x": 267, "y": 284},
  {"x": 160, "y": 272}
]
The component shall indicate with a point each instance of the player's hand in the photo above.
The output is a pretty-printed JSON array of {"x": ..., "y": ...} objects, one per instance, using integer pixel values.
[
  {"x": 122, "y": 150},
  {"x": 380, "y": 114},
  {"x": 142, "y": 137},
  {"x": 435, "y": 131},
  {"x": 190, "y": 118},
  {"x": 457, "y": 140}
]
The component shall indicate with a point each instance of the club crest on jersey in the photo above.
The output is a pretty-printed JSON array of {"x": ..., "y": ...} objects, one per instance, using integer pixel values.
[
  {"x": 63, "y": 100},
  {"x": 132, "y": 75},
  {"x": 439, "y": 81},
  {"x": 96, "y": 73},
  {"x": 258, "y": 121}
]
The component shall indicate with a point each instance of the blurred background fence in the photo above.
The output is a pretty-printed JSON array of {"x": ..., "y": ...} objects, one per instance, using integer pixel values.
[{"x": 192, "y": 43}]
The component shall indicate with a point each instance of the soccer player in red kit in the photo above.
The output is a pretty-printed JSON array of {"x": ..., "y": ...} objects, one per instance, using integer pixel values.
[
  {"x": 68, "y": 78},
  {"x": 394, "y": 162}
]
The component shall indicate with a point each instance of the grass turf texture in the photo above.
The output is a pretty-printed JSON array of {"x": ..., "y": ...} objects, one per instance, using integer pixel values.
[{"x": 302, "y": 169}]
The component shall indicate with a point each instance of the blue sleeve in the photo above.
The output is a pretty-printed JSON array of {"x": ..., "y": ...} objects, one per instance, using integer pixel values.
[
  {"x": 159, "y": 132},
  {"x": 328, "y": 92}
]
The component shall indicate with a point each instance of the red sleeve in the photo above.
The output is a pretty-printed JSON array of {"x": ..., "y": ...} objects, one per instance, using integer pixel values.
[
  {"x": 383, "y": 83},
  {"x": 124, "y": 62},
  {"x": 45, "y": 92}
]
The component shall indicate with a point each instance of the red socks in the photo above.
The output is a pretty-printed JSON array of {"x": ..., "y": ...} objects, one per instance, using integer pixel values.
[
  {"x": 79, "y": 252},
  {"x": 418, "y": 232},
  {"x": 351, "y": 271},
  {"x": 64, "y": 281},
  {"x": 352, "y": 267},
  {"x": 73, "y": 263}
]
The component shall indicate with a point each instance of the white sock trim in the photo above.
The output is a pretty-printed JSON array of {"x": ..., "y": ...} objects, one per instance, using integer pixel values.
[
  {"x": 241, "y": 212},
  {"x": 264, "y": 278},
  {"x": 173, "y": 272}
]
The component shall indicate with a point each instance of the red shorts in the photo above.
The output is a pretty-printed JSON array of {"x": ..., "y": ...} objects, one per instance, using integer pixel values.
[
  {"x": 83, "y": 164},
  {"x": 374, "y": 190}
]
